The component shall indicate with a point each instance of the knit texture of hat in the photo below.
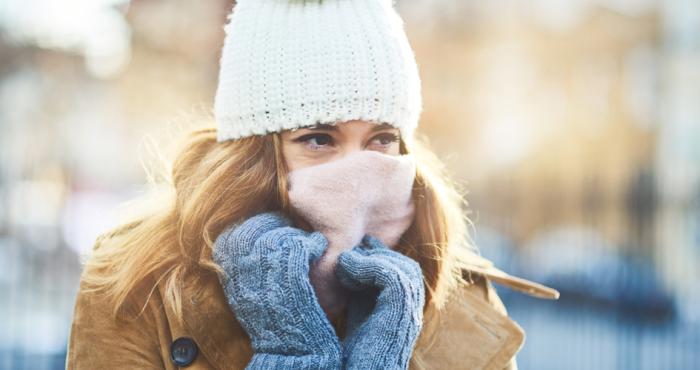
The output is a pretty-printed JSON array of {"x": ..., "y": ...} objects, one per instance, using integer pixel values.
[{"x": 287, "y": 64}]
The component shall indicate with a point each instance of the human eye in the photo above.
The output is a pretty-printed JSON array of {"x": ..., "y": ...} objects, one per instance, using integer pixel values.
[
  {"x": 386, "y": 139},
  {"x": 315, "y": 141}
]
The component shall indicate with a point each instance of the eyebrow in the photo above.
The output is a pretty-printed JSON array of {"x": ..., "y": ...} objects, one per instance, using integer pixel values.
[{"x": 330, "y": 127}]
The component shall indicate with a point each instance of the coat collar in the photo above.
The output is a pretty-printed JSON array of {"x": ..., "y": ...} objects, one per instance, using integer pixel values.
[
  {"x": 514, "y": 282},
  {"x": 466, "y": 323}
]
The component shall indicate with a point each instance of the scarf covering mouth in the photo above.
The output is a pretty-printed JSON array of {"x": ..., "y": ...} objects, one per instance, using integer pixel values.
[{"x": 364, "y": 192}]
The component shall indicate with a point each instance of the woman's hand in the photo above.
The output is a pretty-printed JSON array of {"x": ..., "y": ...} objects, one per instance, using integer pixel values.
[
  {"x": 267, "y": 288},
  {"x": 385, "y": 314}
]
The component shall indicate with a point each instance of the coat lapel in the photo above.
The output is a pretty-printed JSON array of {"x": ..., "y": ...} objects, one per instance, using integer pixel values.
[
  {"x": 517, "y": 283},
  {"x": 485, "y": 267},
  {"x": 468, "y": 333},
  {"x": 473, "y": 330}
]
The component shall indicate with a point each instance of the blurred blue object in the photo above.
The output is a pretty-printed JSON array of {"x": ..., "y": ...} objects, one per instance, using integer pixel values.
[{"x": 586, "y": 269}]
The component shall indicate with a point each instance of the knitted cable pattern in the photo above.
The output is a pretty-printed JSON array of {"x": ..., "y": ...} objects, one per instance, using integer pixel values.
[
  {"x": 382, "y": 328},
  {"x": 267, "y": 287}
]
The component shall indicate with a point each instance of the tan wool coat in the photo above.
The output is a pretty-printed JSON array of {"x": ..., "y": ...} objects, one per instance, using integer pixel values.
[{"x": 473, "y": 331}]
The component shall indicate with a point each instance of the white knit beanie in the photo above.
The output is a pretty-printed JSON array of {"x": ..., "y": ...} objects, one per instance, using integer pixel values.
[{"x": 287, "y": 64}]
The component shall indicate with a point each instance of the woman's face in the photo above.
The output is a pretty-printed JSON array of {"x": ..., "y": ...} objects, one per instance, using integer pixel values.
[{"x": 314, "y": 145}]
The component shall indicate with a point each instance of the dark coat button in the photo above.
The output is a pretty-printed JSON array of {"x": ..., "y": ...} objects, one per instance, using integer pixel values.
[{"x": 183, "y": 351}]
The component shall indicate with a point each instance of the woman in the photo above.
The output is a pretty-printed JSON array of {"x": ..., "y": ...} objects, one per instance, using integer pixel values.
[{"x": 308, "y": 229}]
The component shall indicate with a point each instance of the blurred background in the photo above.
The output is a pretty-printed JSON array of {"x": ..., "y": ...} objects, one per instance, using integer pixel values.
[{"x": 575, "y": 125}]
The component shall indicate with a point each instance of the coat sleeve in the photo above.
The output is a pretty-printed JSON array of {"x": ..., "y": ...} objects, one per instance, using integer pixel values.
[{"x": 97, "y": 341}]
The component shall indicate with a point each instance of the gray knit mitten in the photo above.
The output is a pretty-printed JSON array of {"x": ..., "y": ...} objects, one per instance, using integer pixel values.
[
  {"x": 267, "y": 288},
  {"x": 385, "y": 314}
]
